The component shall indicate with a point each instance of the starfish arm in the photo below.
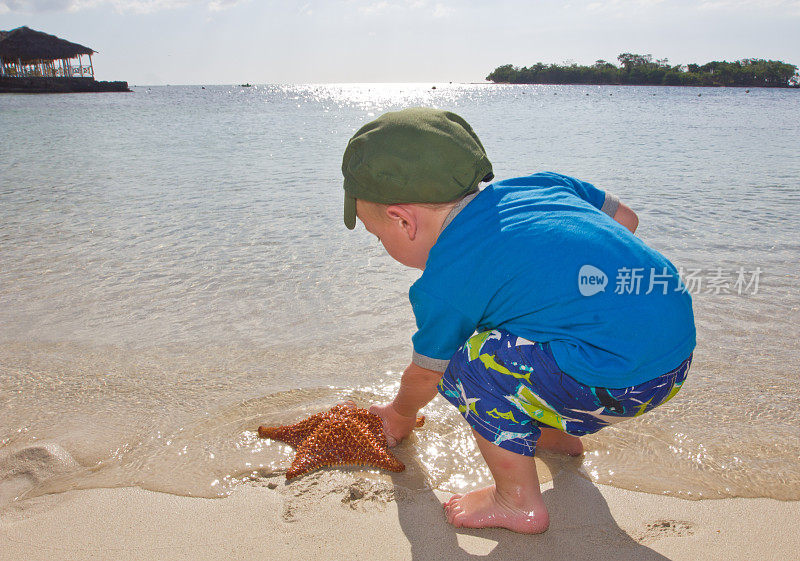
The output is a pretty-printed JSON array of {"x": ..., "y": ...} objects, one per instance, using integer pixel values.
[{"x": 294, "y": 434}]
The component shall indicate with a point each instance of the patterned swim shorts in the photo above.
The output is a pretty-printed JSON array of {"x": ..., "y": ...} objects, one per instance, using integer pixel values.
[{"x": 507, "y": 387}]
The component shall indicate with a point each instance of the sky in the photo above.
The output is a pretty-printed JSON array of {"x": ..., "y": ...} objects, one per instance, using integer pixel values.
[{"x": 151, "y": 42}]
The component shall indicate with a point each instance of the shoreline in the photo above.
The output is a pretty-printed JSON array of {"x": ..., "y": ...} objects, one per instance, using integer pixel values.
[{"x": 333, "y": 514}]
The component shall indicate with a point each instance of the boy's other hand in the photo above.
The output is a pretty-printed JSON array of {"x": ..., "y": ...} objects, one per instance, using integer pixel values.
[
  {"x": 395, "y": 426},
  {"x": 627, "y": 217}
]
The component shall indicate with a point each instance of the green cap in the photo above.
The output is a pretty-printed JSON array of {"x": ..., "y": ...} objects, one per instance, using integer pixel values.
[{"x": 417, "y": 155}]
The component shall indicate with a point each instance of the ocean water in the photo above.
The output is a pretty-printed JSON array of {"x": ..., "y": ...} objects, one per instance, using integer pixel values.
[{"x": 175, "y": 272}]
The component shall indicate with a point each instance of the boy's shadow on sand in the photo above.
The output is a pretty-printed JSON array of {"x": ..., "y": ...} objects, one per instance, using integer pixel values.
[{"x": 581, "y": 527}]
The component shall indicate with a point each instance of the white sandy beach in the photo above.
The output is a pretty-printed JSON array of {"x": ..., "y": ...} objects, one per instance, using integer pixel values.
[{"x": 334, "y": 514}]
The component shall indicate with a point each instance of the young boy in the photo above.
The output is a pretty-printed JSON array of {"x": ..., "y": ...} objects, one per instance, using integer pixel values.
[{"x": 579, "y": 323}]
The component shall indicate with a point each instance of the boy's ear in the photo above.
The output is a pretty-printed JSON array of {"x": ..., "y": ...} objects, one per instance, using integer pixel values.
[{"x": 405, "y": 217}]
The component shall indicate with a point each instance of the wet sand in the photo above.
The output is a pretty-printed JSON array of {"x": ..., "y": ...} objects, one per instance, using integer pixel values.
[{"x": 335, "y": 514}]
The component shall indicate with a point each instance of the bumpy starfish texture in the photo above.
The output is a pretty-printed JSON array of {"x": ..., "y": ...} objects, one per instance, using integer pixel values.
[{"x": 344, "y": 435}]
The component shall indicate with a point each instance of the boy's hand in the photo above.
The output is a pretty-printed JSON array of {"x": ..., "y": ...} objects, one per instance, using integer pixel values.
[
  {"x": 395, "y": 426},
  {"x": 627, "y": 217},
  {"x": 417, "y": 387}
]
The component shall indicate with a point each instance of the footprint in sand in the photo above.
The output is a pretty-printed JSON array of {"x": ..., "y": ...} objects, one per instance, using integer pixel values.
[
  {"x": 23, "y": 469},
  {"x": 659, "y": 529}
]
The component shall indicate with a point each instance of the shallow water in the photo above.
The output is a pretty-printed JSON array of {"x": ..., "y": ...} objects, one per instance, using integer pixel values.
[{"x": 175, "y": 272}]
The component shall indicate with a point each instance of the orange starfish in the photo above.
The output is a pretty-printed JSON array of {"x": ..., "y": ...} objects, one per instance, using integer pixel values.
[{"x": 344, "y": 435}]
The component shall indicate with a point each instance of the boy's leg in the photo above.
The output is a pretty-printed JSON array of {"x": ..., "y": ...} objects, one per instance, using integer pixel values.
[
  {"x": 513, "y": 502},
  {"x": 559, "y": 441}
]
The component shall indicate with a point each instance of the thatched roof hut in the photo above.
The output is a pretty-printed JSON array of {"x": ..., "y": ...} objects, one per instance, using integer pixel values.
[
  {"x": 28, "y": 45},
  {"x": 27, "y": 52}
]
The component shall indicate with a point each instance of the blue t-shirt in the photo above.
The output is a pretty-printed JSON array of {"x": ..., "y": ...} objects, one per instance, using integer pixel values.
[{"x": 537, "y": 257}]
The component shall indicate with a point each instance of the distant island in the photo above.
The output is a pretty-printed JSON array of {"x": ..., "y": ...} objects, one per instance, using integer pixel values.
[{"x": 642, "y": 70}]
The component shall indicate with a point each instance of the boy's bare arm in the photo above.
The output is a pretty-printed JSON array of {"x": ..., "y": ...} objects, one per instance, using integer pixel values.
[
  {"x": 626, "y": 217},
  {"x": 418, "y": 386}
]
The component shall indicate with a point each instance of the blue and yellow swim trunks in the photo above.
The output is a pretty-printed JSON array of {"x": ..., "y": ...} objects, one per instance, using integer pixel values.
[{"x": 507, "y": 388}]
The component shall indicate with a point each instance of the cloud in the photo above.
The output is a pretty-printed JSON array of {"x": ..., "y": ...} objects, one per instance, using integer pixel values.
[
  {"x": 35, "y": 5},
  {"x": 365, "y": 7},
  {"x": 220, "y": 5},
  {"x": 442, "y": 11},
  {"x": 621, "y": 5},
  {"x": 786, "y": 6},
  {"x": 121, "y": 6},
  {"x": 371, "y": 8}
]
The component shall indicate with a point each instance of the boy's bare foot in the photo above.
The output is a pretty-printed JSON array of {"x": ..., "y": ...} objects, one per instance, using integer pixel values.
[
  {"x": 560, "y": 442},
  {"x": 486, "y": 508}
]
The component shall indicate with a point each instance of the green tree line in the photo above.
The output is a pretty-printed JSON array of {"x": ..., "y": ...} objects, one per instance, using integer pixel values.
[{"x": 635, "y": 69}]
